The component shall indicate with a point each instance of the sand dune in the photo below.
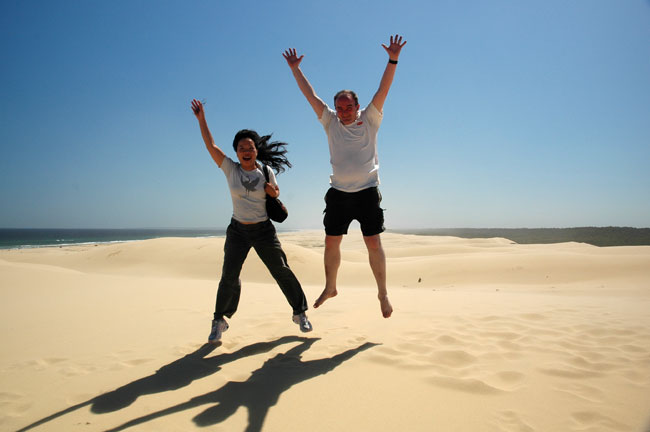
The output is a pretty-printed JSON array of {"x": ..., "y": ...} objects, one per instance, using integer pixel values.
[{"x": 487, "y": 335}]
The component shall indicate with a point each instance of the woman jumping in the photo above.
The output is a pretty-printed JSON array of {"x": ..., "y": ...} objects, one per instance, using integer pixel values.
[{"x": 250, "y": 225}]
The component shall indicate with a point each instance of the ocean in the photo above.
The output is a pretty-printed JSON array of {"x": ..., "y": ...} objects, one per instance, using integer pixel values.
[
  {"x": 11, "y": 238},
  {"x": 598, "y": 236}
]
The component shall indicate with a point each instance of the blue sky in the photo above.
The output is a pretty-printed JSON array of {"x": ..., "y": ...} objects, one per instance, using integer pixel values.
[{"x": 502, "y": 113}]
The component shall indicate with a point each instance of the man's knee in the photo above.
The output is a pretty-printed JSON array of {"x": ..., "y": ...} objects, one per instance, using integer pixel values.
[
  {"x": 373, "y": 243},
  {"x": 333, "y": 242}
]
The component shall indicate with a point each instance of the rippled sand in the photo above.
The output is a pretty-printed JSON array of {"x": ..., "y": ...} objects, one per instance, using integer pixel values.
[{"x": 486, "y": 335}]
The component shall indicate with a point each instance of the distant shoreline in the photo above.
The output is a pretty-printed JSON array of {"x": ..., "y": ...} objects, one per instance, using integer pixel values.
[
  {"x": 11, "y": 238},
  {"x": 14, "y": 238},
  {"x": 597, "y": 236}
]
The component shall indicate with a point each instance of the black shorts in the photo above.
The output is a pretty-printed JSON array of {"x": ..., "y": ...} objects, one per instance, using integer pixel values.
[{"x": 342, "y": 207}]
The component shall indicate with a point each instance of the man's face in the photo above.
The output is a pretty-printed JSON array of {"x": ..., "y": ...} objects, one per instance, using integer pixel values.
[{"x": 346, "y": 109}]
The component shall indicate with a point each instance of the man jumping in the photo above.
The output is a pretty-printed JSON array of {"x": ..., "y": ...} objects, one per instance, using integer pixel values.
[{"x": 354, "y": 193}]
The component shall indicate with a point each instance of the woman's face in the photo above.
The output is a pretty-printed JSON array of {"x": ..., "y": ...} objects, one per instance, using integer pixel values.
[{"x": 247, "y": 154}]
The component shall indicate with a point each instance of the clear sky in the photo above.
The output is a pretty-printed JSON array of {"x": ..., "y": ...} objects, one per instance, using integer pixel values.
[{"x": 503, "y": 113}]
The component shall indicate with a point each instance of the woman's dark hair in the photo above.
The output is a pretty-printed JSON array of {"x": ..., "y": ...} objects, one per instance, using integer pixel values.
[{"x": 271, "y": 153}]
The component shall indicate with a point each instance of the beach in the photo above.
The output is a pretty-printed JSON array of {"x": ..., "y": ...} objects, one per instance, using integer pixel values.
[{"x": 486, "y": 335}]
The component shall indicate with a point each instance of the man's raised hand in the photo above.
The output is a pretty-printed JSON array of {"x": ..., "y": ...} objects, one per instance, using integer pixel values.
[
  {"x": 292, "y": 58},
  {"x": 197, "y": 108},
  {"x": 395, "y": 47}
]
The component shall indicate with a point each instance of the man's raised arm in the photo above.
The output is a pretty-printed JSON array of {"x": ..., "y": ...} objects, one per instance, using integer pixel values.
[
  {"x": 387, "y": 79},
  {"x": 294, "y": 63}
]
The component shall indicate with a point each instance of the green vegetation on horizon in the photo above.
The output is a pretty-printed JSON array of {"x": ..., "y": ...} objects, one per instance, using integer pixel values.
[{"x": 597, "y": 236}]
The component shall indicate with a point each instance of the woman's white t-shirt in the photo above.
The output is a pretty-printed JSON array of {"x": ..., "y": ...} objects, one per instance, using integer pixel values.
[{"x": 247, "y": 191}]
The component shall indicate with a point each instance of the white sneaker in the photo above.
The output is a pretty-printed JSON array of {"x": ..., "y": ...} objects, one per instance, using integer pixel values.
[
  {"x": 303, "y": 322},
  {"x": 218, "y": 327}
]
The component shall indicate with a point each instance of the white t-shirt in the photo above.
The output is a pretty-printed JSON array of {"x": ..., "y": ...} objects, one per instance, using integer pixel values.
[
  {"x": 353, "y": 149},
  {"x": 247, "y": 191}
]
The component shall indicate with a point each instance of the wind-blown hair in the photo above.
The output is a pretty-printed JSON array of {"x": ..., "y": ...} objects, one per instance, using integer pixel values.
[{"x": 271, "y": 153}]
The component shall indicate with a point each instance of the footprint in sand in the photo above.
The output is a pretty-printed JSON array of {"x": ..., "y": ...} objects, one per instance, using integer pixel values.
[
  {"x": 594, "y": 419},
  {"x": 38, "y": 365},
  {"x": 501, "y": 335},
  {"x": 359, "y": 339},
  {"x": 533, "y": 317},
  {"x": 449, "y": 340},
  {"x": 581, "y": 362},
  {"x": 510, "y": 421},
  {"x": 388, "y": 356},
  {"x": 490, "y": 318},
  {"x": 416, "y": 348},
  {"x": 567, "y": 371},
  {"x": 466, "y": 385},
  {"x": 136, "y": 362},
  {"x": 453, "y": 358},
  {"x": 510, "y": 376},
  {"x": 581, "y": 391},
  {"x": 509, "y": 346},
  {"x": 14, "y": 404},
  {"x": 54, "y": 360},
  {"x": 631, "y": 348}
]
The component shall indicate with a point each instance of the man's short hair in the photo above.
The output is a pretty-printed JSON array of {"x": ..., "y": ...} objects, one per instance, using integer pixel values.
[{"x": 349, "y": 93}]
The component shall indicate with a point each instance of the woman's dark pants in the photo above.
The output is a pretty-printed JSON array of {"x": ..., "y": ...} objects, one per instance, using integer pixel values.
[{"x": 262, "y": 237}]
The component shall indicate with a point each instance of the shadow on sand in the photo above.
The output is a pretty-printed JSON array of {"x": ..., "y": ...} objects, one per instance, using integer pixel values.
[
  {"x": 173, "y": 376},
  {"x": 261, "y": 391}
]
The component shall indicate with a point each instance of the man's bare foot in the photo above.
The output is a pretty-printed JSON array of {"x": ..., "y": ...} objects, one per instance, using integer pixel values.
[
  {"x": 386, "y": 308},
  {"x": 327, "y": 293}
]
